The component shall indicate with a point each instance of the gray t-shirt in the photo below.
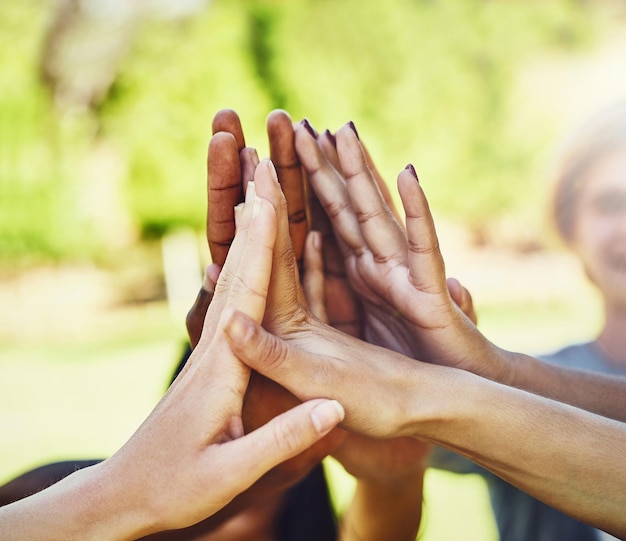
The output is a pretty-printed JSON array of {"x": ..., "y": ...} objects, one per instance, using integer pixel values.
[{"x": 521, "y": 517}]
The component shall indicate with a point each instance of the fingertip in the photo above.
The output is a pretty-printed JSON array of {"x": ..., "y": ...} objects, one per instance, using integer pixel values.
[
  {"x": 353, "y": 128},
  {"x": 266, "y": 166},
  {"x": 237, "y": 326},
  {"x": 411, "y": 170},
  {"x": 331, "y": 137},
  {"x": 327, "y": 415},
  {"x": 211, "y": 275},
  {"x": 315, "y": 239}
]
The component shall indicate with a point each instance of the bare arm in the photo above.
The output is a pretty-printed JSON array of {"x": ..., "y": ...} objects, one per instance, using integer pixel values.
[
  {"x": 547, "y": 448},
  {"x": 567, "y": 457},
  {"x": 172, "y": 474},
  {"x": 396, "y": 276}
]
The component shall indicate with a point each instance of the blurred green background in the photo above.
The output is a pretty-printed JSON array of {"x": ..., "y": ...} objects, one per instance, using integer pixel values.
[{"x": 105, "y": 115}]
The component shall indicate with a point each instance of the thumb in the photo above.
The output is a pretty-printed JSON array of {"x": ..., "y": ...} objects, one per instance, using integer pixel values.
[
  {"x": 282, "y": 438},
  {"x": 263, "y": 351}
]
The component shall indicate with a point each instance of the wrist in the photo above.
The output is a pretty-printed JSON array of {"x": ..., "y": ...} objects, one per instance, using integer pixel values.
[
  {"x": 102, "y": 510},
  {"x": 443, "y": 403}
]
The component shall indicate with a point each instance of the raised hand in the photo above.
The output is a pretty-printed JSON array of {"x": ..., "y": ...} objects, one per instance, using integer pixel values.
[
  {"x": 190, "y": 457},
  {"x": 230, "y": 167},
  {"x": 400, "y": 314}
]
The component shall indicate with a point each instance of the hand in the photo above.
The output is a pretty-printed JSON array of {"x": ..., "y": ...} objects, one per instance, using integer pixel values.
[
  {"x": 230, "y": 165},
  {"x": 288, "y": 317},
  {"x": 408, "y": 308},
  {"x": 171, "y": 474},
  {"x": 328, "y": 145},
  {"x": 385, "y": 462},
  {"x": 309, "y": 358},
  {"x": 210, "y": 394}
]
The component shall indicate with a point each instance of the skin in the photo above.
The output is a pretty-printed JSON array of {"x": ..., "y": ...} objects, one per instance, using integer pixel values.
[
  {"x": 599, "y": 240},
  {"x": 171, "y": 474},
  {"x": 387, "y": 394},
  {"x": 230, "y": 165},
  {"x": 417, "y": 308},
  {"x": 363, "y": 265},
  {"x": 389, "y": 472},
  {"x": 388, "y": 498}
]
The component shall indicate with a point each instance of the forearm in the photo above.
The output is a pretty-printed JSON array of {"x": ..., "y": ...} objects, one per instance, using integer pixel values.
[
  {"x": 569, "y": 458},
  {"x": 82, "y": 506},
  {"x": 390, "y": 511},
  {"x": 598, "y": 393}
]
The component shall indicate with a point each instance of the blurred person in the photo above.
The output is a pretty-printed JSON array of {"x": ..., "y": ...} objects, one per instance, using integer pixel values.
[
  {"x": 589, "y": 210},
  {"x": 589, "y": 206}
]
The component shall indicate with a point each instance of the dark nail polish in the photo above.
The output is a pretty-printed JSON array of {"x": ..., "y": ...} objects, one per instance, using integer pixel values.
[
  {"x": 353, "y": 128},
  {"x": 309, "y": 128},
  {"x": 331, "y": 138},
  {"x": 411, "y": 170}
]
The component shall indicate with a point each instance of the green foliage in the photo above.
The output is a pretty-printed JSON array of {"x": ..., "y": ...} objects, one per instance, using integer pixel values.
[{"x": 425, "y": 81}]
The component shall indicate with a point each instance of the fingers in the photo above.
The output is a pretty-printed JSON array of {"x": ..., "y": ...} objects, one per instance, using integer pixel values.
[
  {"x": 462, "y": 298},
  {"x": 272, "y": 357},
  {"x": 227, "y": 120},
  {"x": 426, "y": 266},
  {"x": 328, "y": 144},
  {"x": 382, "y": 186},
  {"x": 282, "y": 438},
  {"x": 313, "y": 277},
  {"x": 224, "y": 192},
  {"x": 244, "y": 279},
  {"x": 286, "y": 293},
  {"x": 283, "y": 155},
  {"x": 381, "y": 233},
  {"x": 331, "y": 190},
  {"x": 337, "y": 367},
  {"x": 250, "y": 280},
  {"x": 249, "y": 160}
]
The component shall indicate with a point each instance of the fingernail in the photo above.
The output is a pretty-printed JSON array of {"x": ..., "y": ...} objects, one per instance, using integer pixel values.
[
  {"x": 327, "y": 415},
  {"x": 317, "y": 240},
  {"x": 237, "y": 328},
  {"x": 208, "y": 284},
  {"x": 411, "y": 170},
  {"x": 272, "y": 170},
  {"x": 250, "y": 191},
  {"x": 331, "y": 138},
  {"x": 309, "y": 128},
  {"x": 353, "y": 128},
  {"x": 254, "y": 156},
  {"x": 238, "y": 213}
]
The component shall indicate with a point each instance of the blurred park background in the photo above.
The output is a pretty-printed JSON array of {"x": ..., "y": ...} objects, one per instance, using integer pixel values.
[{"x": 105, "y": 115}]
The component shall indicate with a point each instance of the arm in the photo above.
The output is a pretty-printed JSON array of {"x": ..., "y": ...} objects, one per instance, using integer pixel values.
[
  {"x": 171, "y": 474},
  {"x": 562, "y": 455},
  {"x": 399, "y": 277},
  {"x": 569, "y": 458}
]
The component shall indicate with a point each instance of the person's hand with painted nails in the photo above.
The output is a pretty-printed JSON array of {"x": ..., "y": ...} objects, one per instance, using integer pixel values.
[
  {"x": 546, "y": 448},
  {"x": 406, "y": 316}
]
